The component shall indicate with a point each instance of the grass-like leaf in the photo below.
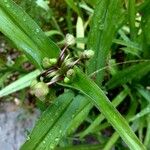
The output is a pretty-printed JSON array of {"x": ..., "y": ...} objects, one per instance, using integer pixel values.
[
  {"x": 106, "y": 19},
  {"x": 146, "y": 28},
  {"x": 133, "y": 72},
  {"x": 116, "y": 101},
  {"x": 56, "y": 122},
  {"x": 99, "y": 99},
  {"x": 52, "y": 124},
  {"x": 143, "y": 112},
  {"x": 82, "y": 147},
  {"x": 25, "y": 33},
  {"x": 19, "y": 84}
]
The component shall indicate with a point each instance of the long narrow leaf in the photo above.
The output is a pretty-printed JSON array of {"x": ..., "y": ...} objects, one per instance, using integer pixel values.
[
  {"x": 19, "y": 84},
  {"x": 116, "y": 101},
  {"x": 56, "y": 122},
  {"x": 51, "y": 125},
  {"x": 133, "y": 72},
  {"x": 90, "y": 89},
  {"x": 107, "y": 17},
  {"x": 25, "y": 33}
]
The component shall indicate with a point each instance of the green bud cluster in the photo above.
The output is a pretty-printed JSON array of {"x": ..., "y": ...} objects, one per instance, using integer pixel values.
[
  {"x": 87, "y": 54},
  {"x": 70, "y": 39},
  {"x": 48, "y": 62},
  {"x": 69, "y": 76}
]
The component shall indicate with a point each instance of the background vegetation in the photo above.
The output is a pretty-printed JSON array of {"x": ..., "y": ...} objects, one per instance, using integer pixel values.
[{"x": 78, "y": 115}]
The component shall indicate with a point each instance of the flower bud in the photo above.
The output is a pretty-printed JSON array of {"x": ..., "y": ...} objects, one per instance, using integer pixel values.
[
  {"x": 70, "y": 40},
  {"x": 46, "y": 63},
  {"x": 87, "y": 54},
  {"x": 40, "y": 89},
  {"x": 66, "y": 80},
  {"x": 53, "y": 61},
  {"x": 70, "y": 73}
]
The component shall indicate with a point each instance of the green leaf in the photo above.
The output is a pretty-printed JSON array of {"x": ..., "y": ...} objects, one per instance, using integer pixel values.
[
  {"x": 133, "y": 72},
  {"x": 107, "y": 17},
  {"x": 56, "y": 122},
  {"x": 72, "y": 5},
  {"x": 82, "y": 147},
  {"x": 142, "y": 113},
  {"x": 25, "y": 33},
  {"x": 19, "y": 84},
  {"x": 132, "y": 15},
  {"x": 80, "y": 32},
  {"x": 52, "y": 125},
  {"x": 99, "y": 99},
  {"x": 83, "y": 112},
  {"x": 116, "y": 101},
  {"x": 144, "y": 93},
  {"x": 3, "y": 77},
  {"x": 145, "y": 24}
]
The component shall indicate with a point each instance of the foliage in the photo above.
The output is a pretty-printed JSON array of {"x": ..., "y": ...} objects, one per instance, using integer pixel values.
[{"x": 81, "y": 88}]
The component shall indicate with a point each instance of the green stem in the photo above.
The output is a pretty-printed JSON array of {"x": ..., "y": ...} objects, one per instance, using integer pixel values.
[{"x": 132, "y": 14}]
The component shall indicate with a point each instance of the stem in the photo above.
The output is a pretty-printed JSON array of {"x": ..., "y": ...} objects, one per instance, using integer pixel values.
[{"x": 132, "y": 15}]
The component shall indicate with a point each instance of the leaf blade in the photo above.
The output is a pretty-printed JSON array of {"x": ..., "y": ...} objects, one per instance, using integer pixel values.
[
  {"x": 25, "y": 33},
  {"x": 90, "y": 89},
  {"x": 19, "y": 84}
]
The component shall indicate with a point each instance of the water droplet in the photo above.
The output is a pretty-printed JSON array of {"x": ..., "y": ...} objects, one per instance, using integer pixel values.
[
  {"x": 44, "y": 142},
  {"x": 37, "y": 30},
  {"x": 24, "y": 19},
  {"x": 56, "y": 139}
]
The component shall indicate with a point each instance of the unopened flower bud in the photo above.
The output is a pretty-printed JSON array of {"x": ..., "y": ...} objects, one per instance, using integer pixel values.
[
  {"x": 46, "y": 63},
  {"x": 66, "y": 80},
  {"x": 40, "y": 89},
  {"x": 70, "y": 39},
  {"x": 87, "y": 54},
  {"x": 70, "y": 73},
  {"x": 53, "y": 61}
]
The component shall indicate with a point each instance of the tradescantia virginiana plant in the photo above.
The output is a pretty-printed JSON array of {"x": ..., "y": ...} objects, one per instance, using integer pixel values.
[{"x": 57, "y": 66}]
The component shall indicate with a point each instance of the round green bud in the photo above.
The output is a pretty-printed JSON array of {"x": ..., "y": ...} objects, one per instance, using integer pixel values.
[
  {"x": 40, "y": 89},
  {"x": 87, "y": 54},
  {"x": 66, "y": 80},
  {"x": 53, "y": 61},
  {"x": 46, "y": 62},
  {"x": 70, "y": 39}
]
